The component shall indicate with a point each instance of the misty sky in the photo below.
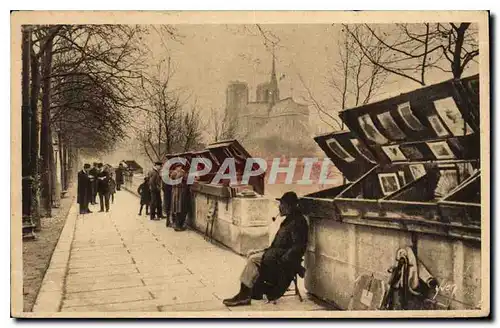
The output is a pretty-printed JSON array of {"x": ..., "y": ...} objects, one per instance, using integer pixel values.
[{"x": 209, "y": 56}]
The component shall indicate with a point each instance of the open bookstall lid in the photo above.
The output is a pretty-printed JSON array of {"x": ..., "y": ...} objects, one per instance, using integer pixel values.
[
  {"x": 347, "y": 153},
  {"x": 431, "y": 123},
  {"x": 229, "y": 149}
]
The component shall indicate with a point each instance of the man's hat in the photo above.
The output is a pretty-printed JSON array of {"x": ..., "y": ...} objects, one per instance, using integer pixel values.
[{"x": 289, "y": 197}]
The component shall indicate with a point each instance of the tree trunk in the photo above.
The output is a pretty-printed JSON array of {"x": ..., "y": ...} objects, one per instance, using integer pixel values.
[
  {"x": 55, "y": 182},
  {"x": 35, "y": 139},
  {"x": 456, "y": 66},
  {"x": 26, "y": 125},
  {"x": 62, "y": 150},
  {"x": 46, "y": 138}
]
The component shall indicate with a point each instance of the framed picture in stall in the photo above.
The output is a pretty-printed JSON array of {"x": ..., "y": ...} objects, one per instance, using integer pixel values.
[
  {"x": 437, "y": 126},
  {"x": 409, "y": 118},
  {"x": 452, "y": 117},
  {"x": 390, "y": 126},
  {"x": 338, "y": 150},
  {"x": 394, "y": 153},
  {"x": 441, "y": 150},
  {"x": 363, "y": 151},
  {"x": 389, "y": 183},
  {"x": 402, "y": 177},
  {"x": 448, "y": 180},
  {"x": 417, "y": 170},
  {"x": 370, "y": 130}
]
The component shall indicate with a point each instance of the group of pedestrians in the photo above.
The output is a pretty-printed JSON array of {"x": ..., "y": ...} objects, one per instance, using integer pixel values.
[
  {"x": 98, "y": 180},
  {"x": 176, "y": 198}
]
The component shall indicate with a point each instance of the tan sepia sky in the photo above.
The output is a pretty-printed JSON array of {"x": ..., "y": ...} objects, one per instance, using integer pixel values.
[{"x": 209, "y": 56}]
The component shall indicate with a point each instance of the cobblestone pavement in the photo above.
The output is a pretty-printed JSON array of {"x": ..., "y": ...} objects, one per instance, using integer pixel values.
[{"x": 120, "y": 261}]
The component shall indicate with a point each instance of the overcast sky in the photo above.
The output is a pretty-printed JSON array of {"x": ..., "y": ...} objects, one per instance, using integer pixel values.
[{"x": 209, "y": 56}]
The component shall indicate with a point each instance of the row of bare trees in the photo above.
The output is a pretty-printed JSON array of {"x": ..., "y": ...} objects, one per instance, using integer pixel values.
[{"x": 78, "y": 88}]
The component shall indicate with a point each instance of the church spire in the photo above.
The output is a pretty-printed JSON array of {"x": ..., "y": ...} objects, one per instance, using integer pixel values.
[{"x": 274, "y": 94}]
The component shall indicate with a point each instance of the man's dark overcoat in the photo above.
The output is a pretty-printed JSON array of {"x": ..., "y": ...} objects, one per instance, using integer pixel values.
[
  {"x": 84, "y": 193},
  {"x": 282, "y": 260}
]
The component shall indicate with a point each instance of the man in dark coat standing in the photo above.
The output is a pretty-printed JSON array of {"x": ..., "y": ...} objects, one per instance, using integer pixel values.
[
  {"x": 84, "y": 189},
  {"x": 155, "y": 190},
  {"x": 119, "y": 176},
  {"x": 271, "y": 271},
  {"x": 103, "y": 187},
  {"x": 167, "y": 201},
  {"x": 93, "y": 182}
]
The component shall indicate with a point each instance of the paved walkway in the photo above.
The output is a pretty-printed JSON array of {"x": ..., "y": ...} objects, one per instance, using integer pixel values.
[{"x": 119, "y": 261}]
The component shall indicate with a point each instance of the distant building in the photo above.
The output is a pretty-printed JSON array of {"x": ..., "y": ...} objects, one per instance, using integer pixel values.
[{"x": 268, "y": 118}]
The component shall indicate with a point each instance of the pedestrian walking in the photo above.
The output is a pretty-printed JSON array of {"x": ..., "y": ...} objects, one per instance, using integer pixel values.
[
  {"x": 103, "y": 188},
  {"x": 179, "y": 198},
  {"x": 119, "y": 176},
  {"x": 145, "y": 194},
  {"x": 94, "y": 171},
  {"x": 155, "y": 189},
  {"x": 84, "y": 189},
  {"x": 167, "y": 201},
  {"x": 112, "y": 186}
]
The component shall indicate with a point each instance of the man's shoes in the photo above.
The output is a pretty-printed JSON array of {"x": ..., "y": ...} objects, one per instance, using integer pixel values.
[
  {"x": 244, "y": 297},
  {"x": 101, "y": 211},
  {"x": 238, "y": 300}
]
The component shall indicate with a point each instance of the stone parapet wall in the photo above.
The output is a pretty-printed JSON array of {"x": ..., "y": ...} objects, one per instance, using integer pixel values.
[
  {"x": 241, "y": 224},
  {"x": 338, "y": 253}
]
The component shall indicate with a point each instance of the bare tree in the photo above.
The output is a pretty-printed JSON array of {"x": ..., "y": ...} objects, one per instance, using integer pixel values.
[
  {"x": 168, "y": 127},
  {"x": 412, "y": 50},
  {"x": 353, "y": 79},
  {"x": 221, "y": 126}
]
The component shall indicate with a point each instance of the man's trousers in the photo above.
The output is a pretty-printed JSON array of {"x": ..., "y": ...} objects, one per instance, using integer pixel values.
[
  {"x": 104, "y": 200},
  {"x": 155, "y": 210},
  {"x": 250, "y": 273}
]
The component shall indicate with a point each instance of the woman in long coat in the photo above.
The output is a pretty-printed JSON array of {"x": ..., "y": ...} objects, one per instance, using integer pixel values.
[{"x": 180, "y": 193}]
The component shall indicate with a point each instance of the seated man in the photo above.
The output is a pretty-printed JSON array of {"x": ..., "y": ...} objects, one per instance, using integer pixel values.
[{"x": 271, "y": 271}]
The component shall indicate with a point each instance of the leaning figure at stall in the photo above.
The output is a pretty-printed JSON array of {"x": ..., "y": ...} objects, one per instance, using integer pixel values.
[
  {"x": 180, "y": 198},
  {"x": 270, "y": 271}
]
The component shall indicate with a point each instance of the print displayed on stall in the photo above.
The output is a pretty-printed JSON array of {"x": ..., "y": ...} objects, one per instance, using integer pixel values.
[
  {"x": 437, "y": 126},
  {"x": 362, "y": 150},
  {"x": 410, "y": 119},
  {"x": 411, "y": 152},
  {"x": 389, "y": 183},
  {"x": 417, "y": 170},
  {"x": 369, "y": 129},
  {"x": 402, "y": 177},
  {"x": 448, "y": 180},
  {"x": 452, "y": 117},
  {"x": 390, "y": 126},
  {"x": 441, "y": 150},
  {"x": 338, "y": 150},
  {"x": 394, "y": 153}
]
